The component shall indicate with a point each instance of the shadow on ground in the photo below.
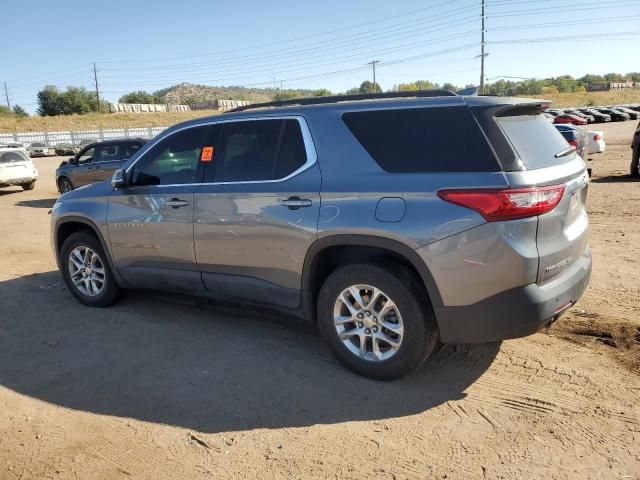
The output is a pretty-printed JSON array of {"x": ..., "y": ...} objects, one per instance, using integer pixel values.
[
  {"x": 184, "y": 362},
  {"x": 616, "y": 179},
  {"x": 40, "y": 203}
]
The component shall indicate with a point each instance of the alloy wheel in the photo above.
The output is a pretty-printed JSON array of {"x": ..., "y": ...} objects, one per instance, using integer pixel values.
[
  {"x": 87, "y": 271},
  {"x": 368, "y": 322}
]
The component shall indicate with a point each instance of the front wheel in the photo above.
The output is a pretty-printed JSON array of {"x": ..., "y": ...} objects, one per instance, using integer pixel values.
[
  {"x": 376, "y": 321},
  {"x": 86, "y": 272},
  {"x": 64, "y": 185},
  {"x": 28, "y": 186}
]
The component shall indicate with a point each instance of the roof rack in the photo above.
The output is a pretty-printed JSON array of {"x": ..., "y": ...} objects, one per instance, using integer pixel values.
[{"x": 346, "y": 98}]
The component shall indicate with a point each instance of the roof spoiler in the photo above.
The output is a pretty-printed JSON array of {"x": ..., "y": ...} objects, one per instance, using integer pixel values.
[{"x": 527, "y": 108}]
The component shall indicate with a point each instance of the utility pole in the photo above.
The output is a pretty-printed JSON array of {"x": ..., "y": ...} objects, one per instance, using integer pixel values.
[
  {"x": 373, "y": 67},
  {"x": 95, "y": 77},
  {"x": 6, "y": 95},
  {"x": 482, "y": 54}
]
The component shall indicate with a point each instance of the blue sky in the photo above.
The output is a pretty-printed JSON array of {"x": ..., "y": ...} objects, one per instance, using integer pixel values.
[{"x": 150, "y": 45}]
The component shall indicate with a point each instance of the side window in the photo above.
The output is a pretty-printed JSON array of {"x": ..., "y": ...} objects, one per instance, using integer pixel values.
[
  {"x": 420, "y": 140},
  {"x": 107, "y": 153},
  {"x": 174, "y": 160},
  {"x": 257, "y": 150},
  {"x": 129, "y": 149},
  {"x": 86, "y": 156}
]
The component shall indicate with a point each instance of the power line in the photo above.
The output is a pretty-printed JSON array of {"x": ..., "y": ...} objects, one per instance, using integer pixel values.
[
  {"x": 277, "y": 68},
  {"x": 302, "y": 50},
  {"x": 280, "y": 42}
]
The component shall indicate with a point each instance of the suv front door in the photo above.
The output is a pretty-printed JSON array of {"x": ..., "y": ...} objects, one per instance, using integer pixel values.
[
  {"x": 150, "y": 222},
  {"x": 107, "y": 158},
  {"x": 256, "y": 212},
  {"x": 82, "y": 171}
]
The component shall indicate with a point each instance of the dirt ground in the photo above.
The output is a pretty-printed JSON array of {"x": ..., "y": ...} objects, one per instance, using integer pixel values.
[{"x": 159, "y": 387}]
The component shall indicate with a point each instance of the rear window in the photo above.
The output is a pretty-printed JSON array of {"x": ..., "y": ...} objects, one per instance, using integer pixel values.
[
  {"x": 8, "y": 157},
  {"x": 420, "y": 140},
  {"x": 535, "y": 140}
]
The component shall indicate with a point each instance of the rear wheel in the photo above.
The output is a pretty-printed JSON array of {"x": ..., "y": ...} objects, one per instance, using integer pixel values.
[
  {"x": 28, "y": 186},
  {"x": 376, "y": 321},
  {"x": 64, "y": 185},
  {"x": 86, "y": 272}
]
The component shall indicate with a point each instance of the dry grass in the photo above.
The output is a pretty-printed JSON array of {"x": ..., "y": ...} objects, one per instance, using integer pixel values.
[
  {"x": 94, "y": 121},
  {"x": 591, "y": 98}
]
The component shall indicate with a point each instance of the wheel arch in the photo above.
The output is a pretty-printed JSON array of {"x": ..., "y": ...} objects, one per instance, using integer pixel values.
[
  {"x": 72, "y": 224},
  {"x": 318, "y": 262}
]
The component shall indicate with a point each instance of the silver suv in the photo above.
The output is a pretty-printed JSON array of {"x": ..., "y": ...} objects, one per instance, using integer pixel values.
[{"x": 394, "y": 223}]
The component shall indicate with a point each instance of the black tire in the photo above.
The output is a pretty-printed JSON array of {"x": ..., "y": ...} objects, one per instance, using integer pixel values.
[
  {"x": 64, "y": 185},
  {"x": 28, "y": 186},
  {"x": 635, "y": 163},
  {"x": 420, "y": 337},
  {"x": 110, "y": 290}
]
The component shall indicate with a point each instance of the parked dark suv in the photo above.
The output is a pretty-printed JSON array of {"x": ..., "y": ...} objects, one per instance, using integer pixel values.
[
  {"x": 395, "y": 222},
  {"x": 96, "y": 162}
]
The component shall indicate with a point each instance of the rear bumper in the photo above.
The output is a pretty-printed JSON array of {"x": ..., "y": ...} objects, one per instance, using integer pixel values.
[
  {"x": 515, "y": 313},
  {"x": 7, "y": 182}
]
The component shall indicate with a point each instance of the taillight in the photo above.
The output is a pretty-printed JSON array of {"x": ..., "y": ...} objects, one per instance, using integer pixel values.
[
  {"x": 597, "y": 137},
  {"x": 506, "y": 204},
  {"x": 574, "y": 143}
]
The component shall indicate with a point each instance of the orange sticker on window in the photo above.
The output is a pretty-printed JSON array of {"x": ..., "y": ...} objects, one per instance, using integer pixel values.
[{"x": 207, "y": 154}]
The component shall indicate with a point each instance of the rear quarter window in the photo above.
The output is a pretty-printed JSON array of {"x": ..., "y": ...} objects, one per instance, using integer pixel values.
[
  {"x": 421, "y": 140},
  {"x": 535, "y": 140}
]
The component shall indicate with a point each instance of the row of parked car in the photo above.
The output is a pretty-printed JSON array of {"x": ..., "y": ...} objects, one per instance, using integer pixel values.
[
  {"x": 40, "y": 149},
  {"x": 588, "y": 115}
]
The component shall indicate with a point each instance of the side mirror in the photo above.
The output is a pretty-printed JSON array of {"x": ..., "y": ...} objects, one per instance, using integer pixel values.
[
  {"x": 73, "y": 160},
  {"x": 119, "y": 179}
]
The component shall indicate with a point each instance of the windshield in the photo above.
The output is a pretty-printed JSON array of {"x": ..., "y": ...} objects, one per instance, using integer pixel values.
[{"x": 38, "y": 144}]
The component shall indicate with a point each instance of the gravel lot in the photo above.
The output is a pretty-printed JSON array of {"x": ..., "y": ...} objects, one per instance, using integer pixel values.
[{"x": 160, "y": 387}]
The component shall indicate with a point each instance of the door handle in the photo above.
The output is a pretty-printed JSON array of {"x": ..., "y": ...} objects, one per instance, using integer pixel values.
[
  {"x": 294, "y": 203},
  {"x": 176, "y": 203}
]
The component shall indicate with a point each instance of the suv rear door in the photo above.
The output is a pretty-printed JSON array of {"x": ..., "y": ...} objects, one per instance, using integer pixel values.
[
  {"x": 256, "y": 212},
  {"x": 549, "y": 160}
]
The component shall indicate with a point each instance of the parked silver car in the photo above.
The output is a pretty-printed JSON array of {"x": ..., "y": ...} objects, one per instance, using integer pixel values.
[
  {"x": 38, "y": 149},
  {"x": 395, "y": 221}
]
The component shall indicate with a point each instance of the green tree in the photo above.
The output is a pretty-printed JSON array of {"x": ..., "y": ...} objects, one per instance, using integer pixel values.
[
  {"x": 52, "y": 101},
  {"x": 140, "y": 96},
  {"x": 369, "y": 87},
  {"x": 417, "y": 85},
  {"x": 19, "y": 112},
  {"x": 286, "y": 94},
  {"x": 450, "y": 86},
  {"x": 5, "y": 112},
  {"x": 321, "y": 92}
]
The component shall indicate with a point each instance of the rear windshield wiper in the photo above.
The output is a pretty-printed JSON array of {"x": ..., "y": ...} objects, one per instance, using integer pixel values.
[{"x": 565, "y": 152}]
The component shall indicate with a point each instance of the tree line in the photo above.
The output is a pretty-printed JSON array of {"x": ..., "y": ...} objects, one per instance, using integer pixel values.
[{"x": 79, "y": 100}]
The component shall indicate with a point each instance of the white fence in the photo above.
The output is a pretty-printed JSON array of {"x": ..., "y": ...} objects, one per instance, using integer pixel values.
[{"x": 74, "y": 137}]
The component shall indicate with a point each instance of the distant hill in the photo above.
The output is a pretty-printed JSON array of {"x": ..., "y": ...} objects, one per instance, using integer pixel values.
[{"x": 186, "y": 93}]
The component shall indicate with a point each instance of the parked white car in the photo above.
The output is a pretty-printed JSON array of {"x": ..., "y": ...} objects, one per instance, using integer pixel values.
[
  {"x": 38, "y": 149},
  {"x": 16, "y": 168},
  {"x": 596, "y": 142}
]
